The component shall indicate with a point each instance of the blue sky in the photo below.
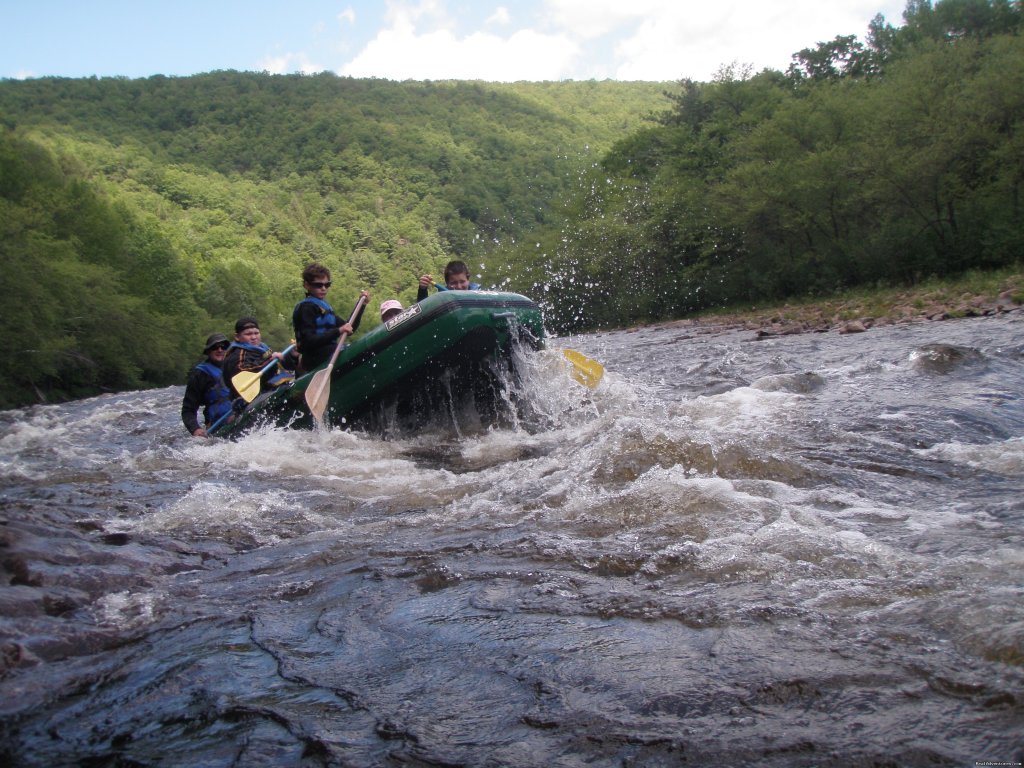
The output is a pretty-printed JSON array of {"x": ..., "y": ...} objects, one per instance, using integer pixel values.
[{"x": 421, "y": 39}]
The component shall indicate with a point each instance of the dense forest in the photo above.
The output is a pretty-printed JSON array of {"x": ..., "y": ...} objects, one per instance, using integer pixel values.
[
  {"x": 139, "y": 215},
  {"x": 881, "y": 162}
]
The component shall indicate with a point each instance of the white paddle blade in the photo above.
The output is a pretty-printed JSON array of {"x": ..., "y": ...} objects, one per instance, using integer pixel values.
[{"x": 318, "y": 393}]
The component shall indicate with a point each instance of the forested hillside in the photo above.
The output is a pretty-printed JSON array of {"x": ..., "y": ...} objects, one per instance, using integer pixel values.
[
  {"x": 881, "y": 162},
  {"x": 138, "y": 216}
]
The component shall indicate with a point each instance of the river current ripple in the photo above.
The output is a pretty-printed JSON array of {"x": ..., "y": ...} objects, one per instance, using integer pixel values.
[{"x": 797, "y": 551}]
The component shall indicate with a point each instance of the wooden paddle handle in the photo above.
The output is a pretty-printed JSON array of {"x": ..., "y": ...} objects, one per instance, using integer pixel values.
[{"x": 341, "y": 339}]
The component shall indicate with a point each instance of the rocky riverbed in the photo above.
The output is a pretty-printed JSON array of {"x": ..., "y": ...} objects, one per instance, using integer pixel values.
[{"x": 856, "y": 314}]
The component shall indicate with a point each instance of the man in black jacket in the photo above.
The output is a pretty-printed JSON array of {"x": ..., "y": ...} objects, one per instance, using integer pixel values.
[{"x": 206, "y": 388}]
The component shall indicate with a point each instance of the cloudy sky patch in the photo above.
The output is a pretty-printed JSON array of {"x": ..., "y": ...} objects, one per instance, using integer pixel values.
[{"x": 511, "y": 40}]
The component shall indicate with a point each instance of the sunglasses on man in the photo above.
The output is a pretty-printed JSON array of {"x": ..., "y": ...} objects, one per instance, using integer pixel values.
[{"x": 321, "y": 285}]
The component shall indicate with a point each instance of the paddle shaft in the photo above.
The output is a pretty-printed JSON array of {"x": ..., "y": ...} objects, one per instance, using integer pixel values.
[
  {"x": 210, "y": 429},
  {"x": 272, "y": 363}
]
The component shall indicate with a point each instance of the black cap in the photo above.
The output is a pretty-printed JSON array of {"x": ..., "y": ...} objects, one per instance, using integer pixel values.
[
  {"x": 246, "y": 322},
  {"x": 213, "y": 340}
]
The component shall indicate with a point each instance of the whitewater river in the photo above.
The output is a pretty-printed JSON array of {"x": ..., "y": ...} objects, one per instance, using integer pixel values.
[{"x": 796, "y": 551}]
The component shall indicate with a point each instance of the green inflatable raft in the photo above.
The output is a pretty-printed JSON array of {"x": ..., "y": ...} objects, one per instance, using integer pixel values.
[{"x": 450, "y": 352}]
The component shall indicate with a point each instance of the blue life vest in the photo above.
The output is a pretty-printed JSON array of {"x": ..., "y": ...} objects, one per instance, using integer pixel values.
[
  {"x": 218, "y": 397},
  {"x": 472, "y": 287},
  {"x": 261, "y": 347},
  {"x": 326, "y": 320}
]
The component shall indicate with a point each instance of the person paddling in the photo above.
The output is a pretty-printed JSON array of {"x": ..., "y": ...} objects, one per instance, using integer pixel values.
[
  {"x": 456, "y": 278},
  {"x": 206, "y": 388},
  {"x": 248, "y": 353},
  {"x": 317, "y": 328}
]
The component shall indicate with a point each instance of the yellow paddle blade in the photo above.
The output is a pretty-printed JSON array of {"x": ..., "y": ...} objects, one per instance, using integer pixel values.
[
  {"x": 585, "y": 370},
  {"x": 247, "y": 383}
]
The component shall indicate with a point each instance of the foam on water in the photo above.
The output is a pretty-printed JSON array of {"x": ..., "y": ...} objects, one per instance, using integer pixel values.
[
  {"x": 1005, "y": 457},
  {"x": 32, "y": 448},
  {"x": 127, "y": 609},
  {"x": 804, "y": 571},
  {"x": 218, "y": 510},
  {"x": 744, "y": 410}
]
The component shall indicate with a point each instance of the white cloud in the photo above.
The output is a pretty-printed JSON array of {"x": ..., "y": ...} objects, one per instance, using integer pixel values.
[
  {"x": 634, "y": 40},
  {"x": 678, "y": 45},
  {"x": 402, "y": 54},
  {"x": 669, "y": 39},
  {"x": 431, "y": 13},
  {"x": 420, "y": 42},
  {"x": 287, "y": 63},
  {"x": 501, "y": 17},
  {"x": 347, "y": 16},
  {"x": 589, "y": 19}
]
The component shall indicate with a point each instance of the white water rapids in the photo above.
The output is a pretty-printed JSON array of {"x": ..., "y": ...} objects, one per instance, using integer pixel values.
[{"x": 799, "y": 551}]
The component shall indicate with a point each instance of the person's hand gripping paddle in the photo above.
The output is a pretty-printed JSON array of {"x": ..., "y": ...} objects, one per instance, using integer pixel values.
[{"x": 247, "y": 383}]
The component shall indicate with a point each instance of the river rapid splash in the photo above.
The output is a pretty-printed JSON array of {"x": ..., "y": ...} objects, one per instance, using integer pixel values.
[{"x": 799, "y": 551}]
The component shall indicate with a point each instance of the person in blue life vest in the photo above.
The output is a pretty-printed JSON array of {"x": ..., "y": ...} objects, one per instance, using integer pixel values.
[
  {"x": 456, "y": 278},
  {"x": 248, "y": 353},
  {"x": 317, "y": 328},
  {"x": 206, "y": 388}
]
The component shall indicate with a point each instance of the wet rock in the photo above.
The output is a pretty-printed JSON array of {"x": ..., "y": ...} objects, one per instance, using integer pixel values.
[
  {"x": 20, "y": 600},
  {"x": 943, "y": 358},
  {"x": 20, "y": 573},
  {"x": 797, "y": 383},
  {"x": 55, "y": 604},
  {"x": 14, "y": 655},
  {"x": 781, "y": 329}
]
